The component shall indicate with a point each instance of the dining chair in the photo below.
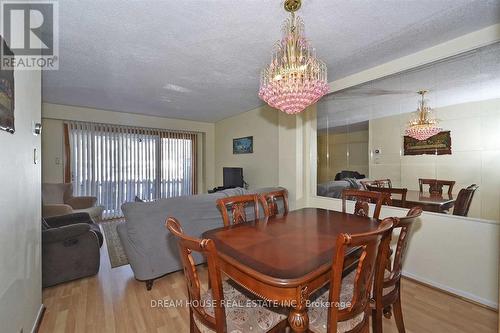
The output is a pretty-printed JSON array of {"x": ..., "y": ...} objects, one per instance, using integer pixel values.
[
  {"x": 464, "y": 200},
  {"x": 386, "y": 289},
  {"x": 207, "y": 312},
  {"x": 362, "y": 198},
  {"x": 271, "y": 198},
  {"x": 401, "y": 192},
  {"x": 377, "y": 183},
  {"x": 349, "y": 297},
  {"x": 233, "y": 209},
  {"x": 436, "y": 185}
]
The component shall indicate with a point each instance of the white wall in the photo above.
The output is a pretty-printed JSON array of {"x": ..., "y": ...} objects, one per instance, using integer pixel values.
[
  {"x": 459, "y": 255},
  {"x": 260, "y": 169},
  {"x": 53, "y": 148},
  {"x": 20, "y": 207}
]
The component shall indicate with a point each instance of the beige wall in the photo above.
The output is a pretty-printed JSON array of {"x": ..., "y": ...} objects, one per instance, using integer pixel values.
[
  {"x": 20, "y": 207},
  {"x": 260, "y": 169},
  {"x": 52, "y": 137},
  {"x": 475, "y": 157},
  {"x": 342, "y": 151}
]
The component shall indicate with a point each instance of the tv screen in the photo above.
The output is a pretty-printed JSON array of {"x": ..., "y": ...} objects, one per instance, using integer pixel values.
[{"x": 233, "y": 177}]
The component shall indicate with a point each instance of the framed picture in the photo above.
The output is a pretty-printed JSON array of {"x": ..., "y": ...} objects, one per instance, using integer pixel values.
[
  {"x": 6, "y": 91},
  {"x": 243, "y": 145},
  {"x": 439, "y": 144}
]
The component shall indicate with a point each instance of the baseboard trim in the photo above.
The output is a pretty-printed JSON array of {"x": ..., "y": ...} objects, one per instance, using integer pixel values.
[
  {"x": 39, "y": 318},
  {"x": 466, "y": 296}
]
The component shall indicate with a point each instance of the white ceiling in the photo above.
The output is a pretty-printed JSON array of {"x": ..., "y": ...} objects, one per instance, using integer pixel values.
[{"x": 200, "y": 59}]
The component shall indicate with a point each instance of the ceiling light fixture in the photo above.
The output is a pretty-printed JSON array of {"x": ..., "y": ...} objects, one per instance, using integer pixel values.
[
  {"x": 423, "y": 126},
  {"x": 295, "y": 78}
]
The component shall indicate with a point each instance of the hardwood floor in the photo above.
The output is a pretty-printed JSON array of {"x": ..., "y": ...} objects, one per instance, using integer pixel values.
[{"x": 113, "y": 301}]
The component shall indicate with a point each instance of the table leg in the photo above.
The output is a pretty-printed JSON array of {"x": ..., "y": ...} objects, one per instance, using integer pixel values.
[{"x": 298, "y": 317}]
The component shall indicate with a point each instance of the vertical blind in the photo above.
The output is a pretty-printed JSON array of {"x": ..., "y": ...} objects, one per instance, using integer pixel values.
[{"x": 118, "y": 163}]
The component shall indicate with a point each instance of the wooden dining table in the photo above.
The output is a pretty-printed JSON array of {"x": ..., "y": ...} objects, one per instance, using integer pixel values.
[
  {"x": 439, "y": 203},
  {"x": 287, "y": 258}
]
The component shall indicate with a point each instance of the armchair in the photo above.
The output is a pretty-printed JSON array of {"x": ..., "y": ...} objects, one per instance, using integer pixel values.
[
  {"x": 58, "y": 199},
  {"x": 70, "y": 248}
]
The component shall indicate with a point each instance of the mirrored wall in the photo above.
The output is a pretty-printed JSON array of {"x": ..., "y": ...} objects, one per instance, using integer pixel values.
[{"x": 362, "y": 140}]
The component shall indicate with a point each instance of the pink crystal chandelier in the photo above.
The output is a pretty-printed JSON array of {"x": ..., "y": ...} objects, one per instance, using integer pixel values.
[
  {"x": 423, "y": 126},
  {"x": 295, "y": 78}
]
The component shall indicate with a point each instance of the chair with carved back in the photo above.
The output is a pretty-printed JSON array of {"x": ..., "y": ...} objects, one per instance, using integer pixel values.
[
  {"x": 362, "y": 199},
  {"x": 233, "y": 209},
  {"x": 376, "y": 183},
  {"x": 349, "y": 295},
  {"x": 436, "y": 185},
  {"x": 206, "y": 309},
  {"x": 400, "y": 192},
  {"x": 464, "y": 200},
  {"x": 386, "y": 289},
  {"x": 271, "y": 198}
]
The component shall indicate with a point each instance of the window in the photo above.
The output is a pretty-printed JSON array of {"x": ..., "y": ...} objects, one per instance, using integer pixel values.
[{"x": 117, "y": 163}]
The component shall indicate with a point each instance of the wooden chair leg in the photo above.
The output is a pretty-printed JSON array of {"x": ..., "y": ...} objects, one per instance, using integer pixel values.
[
  {"x": 398, "y": 315},
  {"x": 377, "y": 321},
  {"x": 192, "y": 325},
  {"x": 149, "y": 284},
  {"x": 365, "y": 328},
  {"x": 387, "y": 311}
]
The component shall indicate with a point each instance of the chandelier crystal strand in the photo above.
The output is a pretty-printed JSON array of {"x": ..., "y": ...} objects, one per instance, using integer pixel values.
[
  {"x": 423, "y": 126},
  {"x": 295, "y": 78}
]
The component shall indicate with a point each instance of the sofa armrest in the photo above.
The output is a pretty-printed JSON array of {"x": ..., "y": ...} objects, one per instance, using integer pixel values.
[
  {"x": 81, "y": 202},
  {"x": 65, "y": 234},
  {"x": 69, "y": 219},
  {"x": 56, "y": 210}
]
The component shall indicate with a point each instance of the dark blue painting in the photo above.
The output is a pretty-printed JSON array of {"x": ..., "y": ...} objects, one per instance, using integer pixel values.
[{"x": 243, "y": 145}]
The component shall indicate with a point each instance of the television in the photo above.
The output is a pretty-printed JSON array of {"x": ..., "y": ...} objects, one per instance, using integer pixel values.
[{"x": 232, "y": 177}]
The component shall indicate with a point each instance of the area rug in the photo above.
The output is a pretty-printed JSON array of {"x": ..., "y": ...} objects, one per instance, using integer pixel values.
[{"x": 117, "y": 256}]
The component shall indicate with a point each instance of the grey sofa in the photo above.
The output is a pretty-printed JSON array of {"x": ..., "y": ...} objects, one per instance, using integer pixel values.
[
  {"x": 70, "y": 248},
  {"x": 150, "y": 248}
]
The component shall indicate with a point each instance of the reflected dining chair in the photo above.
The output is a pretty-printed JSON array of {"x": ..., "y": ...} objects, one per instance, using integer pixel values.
[
  {"x": 464, "y": 200},
  {"x": 271, "y": 198},
  {"x": 362, "y": 199},
  {"x": 401, "y": 192},
  {"x": 386, "y": 289},
  {"x": 350, "y": 296},
  {"x": 436, "y": 185},
  {"x": 233, "y": 209},
  {"x": 207, "y": 312},
  {"x": 376, "y": 183}
]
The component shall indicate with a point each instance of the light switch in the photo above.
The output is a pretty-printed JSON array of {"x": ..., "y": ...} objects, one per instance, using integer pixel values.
[{"x": 58, "y": 161}]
